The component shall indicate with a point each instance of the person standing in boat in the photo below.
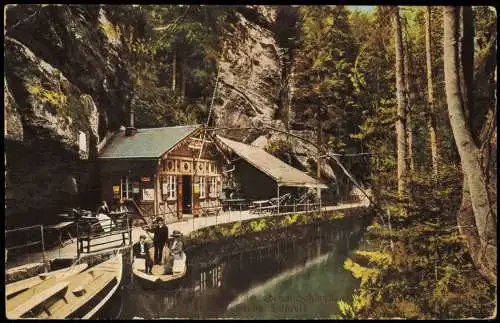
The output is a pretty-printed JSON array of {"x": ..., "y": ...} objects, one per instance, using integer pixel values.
[
  {"x": 160, "y": 238},
  {"x": 141, "y": 250},
  {"x": 176, "y": 245}
]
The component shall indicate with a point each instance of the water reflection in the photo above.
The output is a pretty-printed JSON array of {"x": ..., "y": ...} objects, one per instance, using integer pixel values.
[{"x": 298, "y": 277}]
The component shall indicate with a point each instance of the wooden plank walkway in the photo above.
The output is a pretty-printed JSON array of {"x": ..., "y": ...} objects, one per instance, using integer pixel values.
[{"x": 186, "y": 226}]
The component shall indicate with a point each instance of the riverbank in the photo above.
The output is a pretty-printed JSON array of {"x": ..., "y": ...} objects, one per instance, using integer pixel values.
[
  {"x": 219, "y": 227},
  {"x": 238, "y": 277}
]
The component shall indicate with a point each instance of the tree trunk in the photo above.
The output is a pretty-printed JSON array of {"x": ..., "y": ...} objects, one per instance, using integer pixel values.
[
  {"x": 319, "y": 139},
  {"x": 183, "y": 82},
  {"x": 409, "y": 97},
  {"x": 431, "y": 121},
  {"x": 401, "y": 115},
  {"x": 483, "y": 208},
  {"x": 466, "y": 59},
  {"x": 174, "y": 68}
]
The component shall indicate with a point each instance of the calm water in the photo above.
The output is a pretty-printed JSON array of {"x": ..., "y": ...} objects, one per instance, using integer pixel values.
[{"x": 298, "y": 277}]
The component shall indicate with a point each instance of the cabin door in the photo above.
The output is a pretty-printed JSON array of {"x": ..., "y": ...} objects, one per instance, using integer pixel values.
[
  {"x": 186, "y": 194},
  {"x": 196, "y": 196}
]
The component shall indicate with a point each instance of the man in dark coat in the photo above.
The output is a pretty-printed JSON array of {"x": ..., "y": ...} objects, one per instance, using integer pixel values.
[
  {"x": 160, "y": 239},
  {"x": 141, "y": 250}
]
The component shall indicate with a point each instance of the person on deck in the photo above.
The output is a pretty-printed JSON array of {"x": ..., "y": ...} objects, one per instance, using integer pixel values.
[
  {"x": 103, "y": 218},
  {"x": 103, "y": 208},
  {"x": 176, "y": 245},
  {"x": 141, "y": 250},
  {"x": 160, "y": 239}
]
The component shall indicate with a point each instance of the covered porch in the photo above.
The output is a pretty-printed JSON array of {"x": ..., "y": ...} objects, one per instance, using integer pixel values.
[{"x": 267, "y": 182}]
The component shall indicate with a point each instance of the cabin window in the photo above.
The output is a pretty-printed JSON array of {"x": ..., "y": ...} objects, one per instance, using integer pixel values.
[
  {"x": 126, "y": 188},
  {"x": 202, "y": 187},
  {"x": 212, "y": 188},
  {"x": 171, "y": 187}
]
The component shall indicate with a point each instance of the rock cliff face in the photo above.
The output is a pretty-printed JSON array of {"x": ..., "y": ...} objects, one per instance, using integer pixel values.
[
  {"x": 66, "y": 87},
  {"x": 256, "y": 84},
  {"x": 250, "y": 76}
]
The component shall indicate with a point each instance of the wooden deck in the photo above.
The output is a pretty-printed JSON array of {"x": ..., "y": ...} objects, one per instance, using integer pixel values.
[{"x": 186, "y": 226}]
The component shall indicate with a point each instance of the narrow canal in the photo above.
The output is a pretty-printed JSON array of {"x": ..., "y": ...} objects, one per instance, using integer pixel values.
[{"x": 297, "y": 273}]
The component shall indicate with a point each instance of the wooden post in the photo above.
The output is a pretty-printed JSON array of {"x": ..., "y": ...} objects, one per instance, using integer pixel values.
[
  {"x": 318, "y": 162},
  {"x": 78, "y": 241},
  {"x": 129, "y": 231},
  {"x": 43, "y": 246},
  {"x": 278, "y": 211},
  {"x": 319, "y": 189},
  {"x": 179, "y": 197}
]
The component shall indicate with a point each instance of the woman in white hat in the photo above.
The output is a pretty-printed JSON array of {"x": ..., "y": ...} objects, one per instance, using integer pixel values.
[{"x": 176, "y": 245}]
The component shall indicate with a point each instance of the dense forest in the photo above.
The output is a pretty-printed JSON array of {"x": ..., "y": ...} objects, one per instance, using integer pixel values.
[
  {"x": 415, "y": 87},
  {"x": 406, "y": 99}
]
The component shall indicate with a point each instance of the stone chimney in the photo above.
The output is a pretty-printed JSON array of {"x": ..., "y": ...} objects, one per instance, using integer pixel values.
[{"x": 131, "y": 130}]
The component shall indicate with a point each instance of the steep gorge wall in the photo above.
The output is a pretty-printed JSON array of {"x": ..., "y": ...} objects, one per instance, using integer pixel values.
[
  {"x": 256, "y": 85},
  {"x": 64, "y": 82},
  {"x": 250, "y": 75}
]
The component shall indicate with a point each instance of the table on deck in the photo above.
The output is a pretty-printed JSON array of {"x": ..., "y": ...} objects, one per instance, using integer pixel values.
[
  {"x": 116, "y": 215},
  {"x": 89, "y": 218},
  {"x": 59, "y": 228},
  {"x": 226, "y": 204}
]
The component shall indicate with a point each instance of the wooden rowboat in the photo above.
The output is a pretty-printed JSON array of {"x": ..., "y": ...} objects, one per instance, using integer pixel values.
[
  {"x": 77, "y": 296},
  {"x": 15, "y": 288},
  {"x": 158, "y": 280}
]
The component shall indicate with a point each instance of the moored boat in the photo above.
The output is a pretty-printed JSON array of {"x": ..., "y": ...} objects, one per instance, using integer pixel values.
[
  {"x": 157, "y": 279},
  {"x": 20, "y": 286},
  {"x": 76, "y": 296}
]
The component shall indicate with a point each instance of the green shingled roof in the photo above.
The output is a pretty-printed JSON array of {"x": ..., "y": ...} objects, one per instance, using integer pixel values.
[
  {"x": 281, "y": 172},
  {"x": 146, "y": 143}
]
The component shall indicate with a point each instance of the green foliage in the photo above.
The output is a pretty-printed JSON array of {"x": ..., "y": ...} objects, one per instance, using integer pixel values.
[
  {"x": 289, "y": 219},
  {"x": 346, "y": 310},
  {"x": 258, "y": 225},
  {"x": 324, "y": 59},
  {"x": 111, "y": 32},
  {"x": 191, "y": 34},
  {"x": 57, "y": 100},
  {"x": 366, "y": 274},
  {"x": 236, "y": 229},
  {"x": 428, "y": 274},
  {"x": 337, "y": 215},
  {"x": 379, "y": 259}
]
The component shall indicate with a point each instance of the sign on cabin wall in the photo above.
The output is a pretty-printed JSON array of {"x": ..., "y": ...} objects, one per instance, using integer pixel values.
[
  {"x": 186, "y": 166},
  {"x": 116, "y": 191},
  {"x": 195, "y": 145},
  {"x": 135, "y": 188},
  {"x": 148, "y": 194}
]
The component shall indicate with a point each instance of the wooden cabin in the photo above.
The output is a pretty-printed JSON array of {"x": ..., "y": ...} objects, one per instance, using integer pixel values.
[
  {"x": 159, "y": 171},
  {"x": 262, "y": 175}
]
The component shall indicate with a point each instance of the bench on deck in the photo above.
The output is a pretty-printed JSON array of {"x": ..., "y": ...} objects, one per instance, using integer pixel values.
[
  {"x": 258, "y": 207},
  {"x": 59, "y": 229},
  {"x": 36, "y": 300}
]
